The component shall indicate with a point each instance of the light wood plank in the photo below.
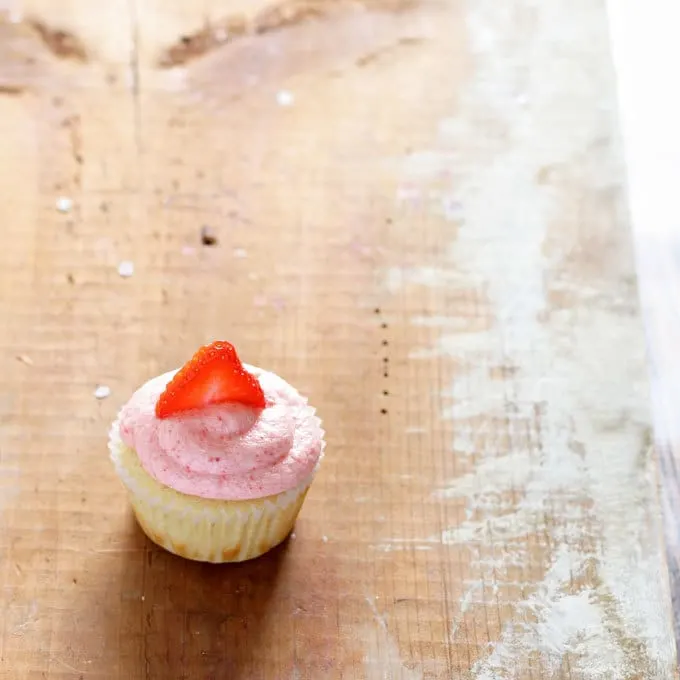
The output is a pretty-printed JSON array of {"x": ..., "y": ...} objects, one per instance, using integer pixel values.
[{"x": 422, "y": 223}]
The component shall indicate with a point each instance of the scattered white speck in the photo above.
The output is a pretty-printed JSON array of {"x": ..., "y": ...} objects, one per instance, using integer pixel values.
[
  {"x": 324, "y": 539},
  {"x": 143, "y": 598},
  {"x": 126, "y": 268},
  {"x": 102, "y": 391},
  {"x": 284, "y": 98},
  {"x": 240, "y": 253},
  {"x": 188, "y": 250},
  {"x": 259, "y": 301},
  {"x": 64, "y": 204},
  {"x": 25, "y": 359},
  {"x": 293, "y": 536},
  {"x": 415, "y": 430}
]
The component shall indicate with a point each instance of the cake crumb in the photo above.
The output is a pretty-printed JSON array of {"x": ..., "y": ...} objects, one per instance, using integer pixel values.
[
  {"x": 25, "y": 359},
  {"x": 64, "y": 204},
  {"x": 102, "y": 391},
  {"x": 324, "y": 539},
  {"x": 126, "y": 269},
  {"x": 284, "y": 98}
]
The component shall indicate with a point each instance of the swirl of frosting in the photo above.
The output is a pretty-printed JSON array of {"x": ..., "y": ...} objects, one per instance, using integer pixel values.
[{"x": 227, "y": 451}]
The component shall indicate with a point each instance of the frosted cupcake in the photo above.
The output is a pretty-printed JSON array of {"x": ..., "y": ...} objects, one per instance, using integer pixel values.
[{"x": 217, "y": 457}]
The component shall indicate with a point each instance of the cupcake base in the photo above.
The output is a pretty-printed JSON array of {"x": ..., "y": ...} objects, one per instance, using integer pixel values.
[{"x": 203, "y": 529}]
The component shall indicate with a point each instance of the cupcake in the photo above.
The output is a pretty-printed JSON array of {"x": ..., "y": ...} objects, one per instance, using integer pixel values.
[{"x": 217, "y": 457}]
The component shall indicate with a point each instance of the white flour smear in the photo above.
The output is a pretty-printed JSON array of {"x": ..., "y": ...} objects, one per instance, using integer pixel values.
[
  {"x": 382, "y": 660},
  {"x": 564, "y": 498}
]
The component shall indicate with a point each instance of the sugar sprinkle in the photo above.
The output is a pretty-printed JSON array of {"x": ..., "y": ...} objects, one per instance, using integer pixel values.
[
  {"x": 64, "y": 204},
  {"x": 284, "y": 98},
  {"x": 102, "y": 391},
  {"x": 126, "y": 269}
]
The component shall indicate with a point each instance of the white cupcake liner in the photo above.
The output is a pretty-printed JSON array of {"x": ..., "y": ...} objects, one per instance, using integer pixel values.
[{"x": 204, "y": 529}]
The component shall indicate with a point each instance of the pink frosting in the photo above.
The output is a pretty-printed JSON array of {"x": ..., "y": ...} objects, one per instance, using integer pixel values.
[{"x": 229, "y": 452}]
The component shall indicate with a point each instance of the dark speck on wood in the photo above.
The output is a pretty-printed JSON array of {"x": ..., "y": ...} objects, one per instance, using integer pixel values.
[
  {"x": 276, "y": 17},
  {"x": 378, "y": 54},
  {"x": 11, "y": 90},
  {"x": 60, "y": 43},
  {"x": 208, "y": 236}
]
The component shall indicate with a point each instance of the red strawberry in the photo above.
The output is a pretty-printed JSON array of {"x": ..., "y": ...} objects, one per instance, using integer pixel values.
[{"x": 214, "y": 375}]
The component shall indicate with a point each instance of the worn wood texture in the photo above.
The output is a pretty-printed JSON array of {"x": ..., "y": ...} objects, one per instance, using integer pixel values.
[
  {"x": 650, "y": 111},
  {"x": 420, "y": 222}
]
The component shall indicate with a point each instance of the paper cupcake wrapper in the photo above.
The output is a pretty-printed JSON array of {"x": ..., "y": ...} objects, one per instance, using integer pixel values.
[{"x": 204, "y": 529}]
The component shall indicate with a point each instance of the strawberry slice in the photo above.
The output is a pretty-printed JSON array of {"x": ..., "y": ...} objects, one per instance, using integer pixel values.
[{"x": 214, "y": 375}]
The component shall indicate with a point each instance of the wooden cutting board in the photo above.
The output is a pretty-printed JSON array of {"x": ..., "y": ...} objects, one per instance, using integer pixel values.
[{"x": 420, "y": 221}]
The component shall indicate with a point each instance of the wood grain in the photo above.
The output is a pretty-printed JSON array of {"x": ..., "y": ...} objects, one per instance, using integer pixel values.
[{"x": 427, "y": 235}]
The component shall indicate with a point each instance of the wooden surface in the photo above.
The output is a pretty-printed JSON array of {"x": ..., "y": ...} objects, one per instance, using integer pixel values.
[{"x": 422, "y": 224}]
